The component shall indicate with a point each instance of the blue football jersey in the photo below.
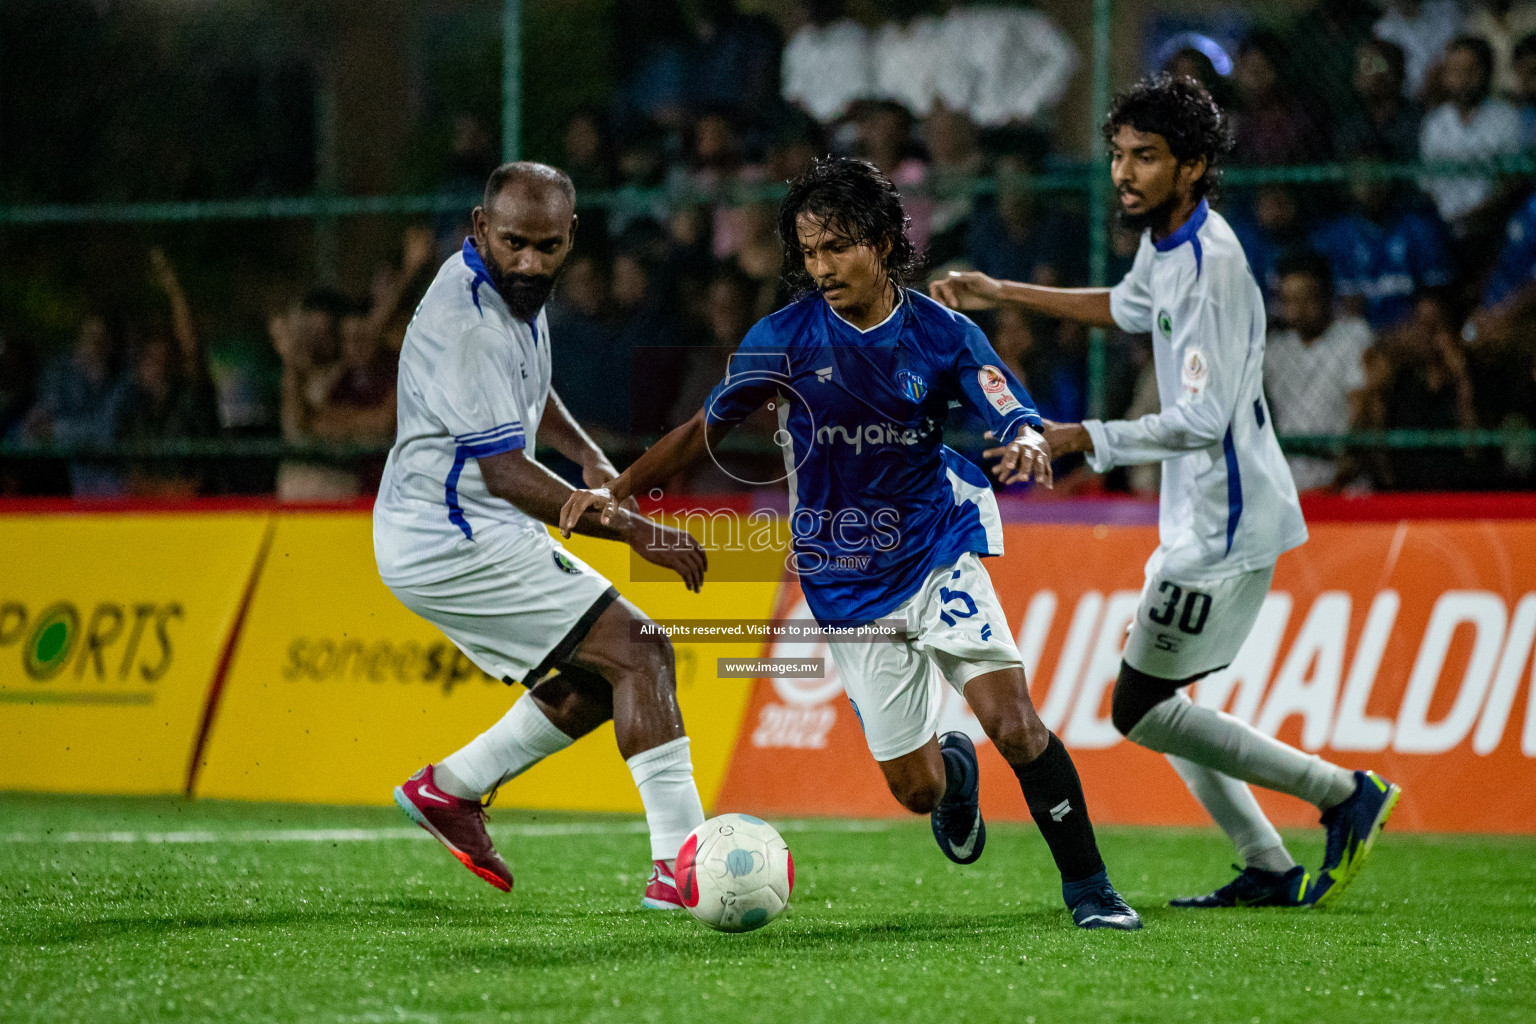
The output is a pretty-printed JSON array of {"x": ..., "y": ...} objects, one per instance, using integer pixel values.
[{"x": 877, "y": 501}]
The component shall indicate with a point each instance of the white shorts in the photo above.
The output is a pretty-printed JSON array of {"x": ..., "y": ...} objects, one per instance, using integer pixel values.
[
  {"x": 956, "y": 631},
  {"x": 1190, "y": 629},
  {"x": 519, "y": 615}
]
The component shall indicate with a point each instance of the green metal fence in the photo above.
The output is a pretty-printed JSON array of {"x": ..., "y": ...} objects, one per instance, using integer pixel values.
[{"x": 1089, "y": 180}]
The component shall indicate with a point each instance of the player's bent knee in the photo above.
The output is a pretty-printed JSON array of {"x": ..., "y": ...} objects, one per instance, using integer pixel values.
[
  {"x": 918, "y": 795},
  {"x": 1135, "y": 694},
  {"x": 1021, "y": 740}
]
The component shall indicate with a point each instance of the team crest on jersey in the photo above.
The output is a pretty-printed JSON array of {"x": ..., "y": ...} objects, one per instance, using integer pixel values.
[
  {"x": 1165, "y": 324},
  {"x": 1195, "y": 371},
  {"x": 994, "y": 385},
  {"x": 563, "y": 560},
  {"x": 913, "y": 387}
]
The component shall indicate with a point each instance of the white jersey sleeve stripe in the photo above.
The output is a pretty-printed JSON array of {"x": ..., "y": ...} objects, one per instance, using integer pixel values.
[
  {"x": 1234, "y": 488},
  {"x": 451, "y": 495}
]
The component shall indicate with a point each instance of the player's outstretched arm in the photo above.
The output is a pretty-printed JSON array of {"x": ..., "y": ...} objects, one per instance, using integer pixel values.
[
  {"x": 559, "y": 429},
  {"x": 971, "y": 289},
  {"x": 538, "y": 492},
  {"x": 675, "y": 452}
]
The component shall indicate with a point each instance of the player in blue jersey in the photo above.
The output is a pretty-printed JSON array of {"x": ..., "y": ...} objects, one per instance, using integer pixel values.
[
  {"x": 887, "y": 522},
  {"x": 1228, "y": 508}
]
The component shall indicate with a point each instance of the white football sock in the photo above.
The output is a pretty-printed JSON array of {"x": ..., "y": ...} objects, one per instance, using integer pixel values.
[
  {"x": 664, "y": 776},
  {"x": 1214, "y": 739},
  {"x": 1231, "y": 803},
  {"x": 522, "y": 739}
]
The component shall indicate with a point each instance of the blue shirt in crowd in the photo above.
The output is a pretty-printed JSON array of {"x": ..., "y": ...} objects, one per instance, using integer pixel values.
[{"x": 1386, "y": 264}]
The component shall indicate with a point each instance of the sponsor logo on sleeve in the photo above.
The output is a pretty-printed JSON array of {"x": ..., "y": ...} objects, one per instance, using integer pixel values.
[
  {"x": 1195, "y": 372},
  {"x": 994, "y": 385}
]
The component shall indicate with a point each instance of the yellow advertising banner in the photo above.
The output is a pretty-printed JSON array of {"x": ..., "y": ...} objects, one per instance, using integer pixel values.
[
  {"x": 337, "y": 692},
  {"x": 111, "y": 627}
]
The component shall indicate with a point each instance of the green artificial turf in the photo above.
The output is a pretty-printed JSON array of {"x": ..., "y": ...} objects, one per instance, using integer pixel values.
[{"x": 242, "y": 924}]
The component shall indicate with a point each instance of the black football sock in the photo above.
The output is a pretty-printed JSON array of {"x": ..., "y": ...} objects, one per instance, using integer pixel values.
[
  {"x": 957, "y": 773},
  {"x": 1055, "y": 797}
]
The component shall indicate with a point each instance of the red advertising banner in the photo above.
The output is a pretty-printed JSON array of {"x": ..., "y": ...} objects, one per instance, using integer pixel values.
[{"x": 1405, "y": 647}]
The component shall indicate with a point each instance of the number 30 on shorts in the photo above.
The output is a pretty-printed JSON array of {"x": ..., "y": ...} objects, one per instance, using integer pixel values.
[{"x": 1197, "y": 608}]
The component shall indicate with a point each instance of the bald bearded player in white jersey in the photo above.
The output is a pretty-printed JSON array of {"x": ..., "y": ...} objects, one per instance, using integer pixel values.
[
  {"x": 460, "y": 538},
  {"x": 1228, "y": 508}
]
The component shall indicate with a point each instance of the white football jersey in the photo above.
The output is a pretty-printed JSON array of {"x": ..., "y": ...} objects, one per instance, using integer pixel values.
[
  {"x": 1228, "y": 503},
  {"x": 474, "y": 379}
]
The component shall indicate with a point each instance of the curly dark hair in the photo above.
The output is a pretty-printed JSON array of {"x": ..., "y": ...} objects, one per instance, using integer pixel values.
[
  {"x": 1183, "y": 113},
  {"x": 857, "y": 202}
]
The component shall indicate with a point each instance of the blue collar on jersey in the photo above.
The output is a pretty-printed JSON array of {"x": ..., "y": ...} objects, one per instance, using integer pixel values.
[
  {"x": 1189, "y": 232},
  {"x": 473, "y": 261}
]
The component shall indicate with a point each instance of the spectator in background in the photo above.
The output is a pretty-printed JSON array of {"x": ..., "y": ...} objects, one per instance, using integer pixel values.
[
  {"x": 339, "y": 375},
  {"x": 642, "y": 173},
  {"x": 796, "y": 141},
  {"x": 728, "y": 315},
  {"x": 1417, "y": 378},
  {"x": 586, "y": 151},
  {"x": 905, "y": 55},
  {"x": 885, "y": 139},
  {"x": 1268, "y": 232},
  {"x": 649, "y": 338},
  {"x": 1387, "y": 122},
  {"x": 954, "y": 161},
  {"x": 471, "y": 157},
  {"x": 1384, "y": 252},
  {"x": 1423, "y": 28},
  {"x": 1506, "y": 316},
  {"x": 1323, "y": 42},
  {"x": 1011, "y": 239},
  {"x": 1270, "y": 126},
  {"x": 735, "y": 66},
  {"x": 1001, "y": 65},
  {"x": 80, "y": 400},
  {"x": 1471, "y": 125},
  {"x": 655, "y": 51},
  {"x": 1500, "y": 337},
  {"x": 1196, "y": 66},
  {"x": 1502, "y": 24},
  {"x": 587, "y": 359},
  {"x": 828, "y": 62},
  {"x": 1314, "y": 366},
  {"x": 170, "y": 394}
]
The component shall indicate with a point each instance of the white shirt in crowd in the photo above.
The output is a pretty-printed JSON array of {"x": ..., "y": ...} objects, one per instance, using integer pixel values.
[
  {"x": 1309, "y": 386},
  {"x": 827, "y": 67},
  {"x": 1227, "y": 503},
  {"x": 1493, "y": 129},
  {"x": 473, "y": 382},
  {"x": 1423, "y": 37},
  {"x": 998, "y": 64},
  {"x": 1502, "y": 33}
]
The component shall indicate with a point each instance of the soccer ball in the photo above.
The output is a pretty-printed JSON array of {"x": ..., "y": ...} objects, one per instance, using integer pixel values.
[{"x": 734, "y": 873}]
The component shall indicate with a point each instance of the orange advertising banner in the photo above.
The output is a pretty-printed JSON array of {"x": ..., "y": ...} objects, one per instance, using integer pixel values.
[{"x": 1405, "y": 647}]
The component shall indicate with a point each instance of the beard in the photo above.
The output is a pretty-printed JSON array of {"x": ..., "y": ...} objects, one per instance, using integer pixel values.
[
  {"x": 1153, "y": 218},
  {"x": 524, "y": 294}
]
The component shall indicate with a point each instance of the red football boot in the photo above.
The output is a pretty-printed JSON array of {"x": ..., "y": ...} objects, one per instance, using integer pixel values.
[
  {"x": 458, "y": 824},
  {"x": 661, "y": 889}
]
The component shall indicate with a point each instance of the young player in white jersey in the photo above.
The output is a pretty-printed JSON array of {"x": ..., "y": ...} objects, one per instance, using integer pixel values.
[
  {"x": 1228, "y": 508},
  {"x": 459, "y": 535}
]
